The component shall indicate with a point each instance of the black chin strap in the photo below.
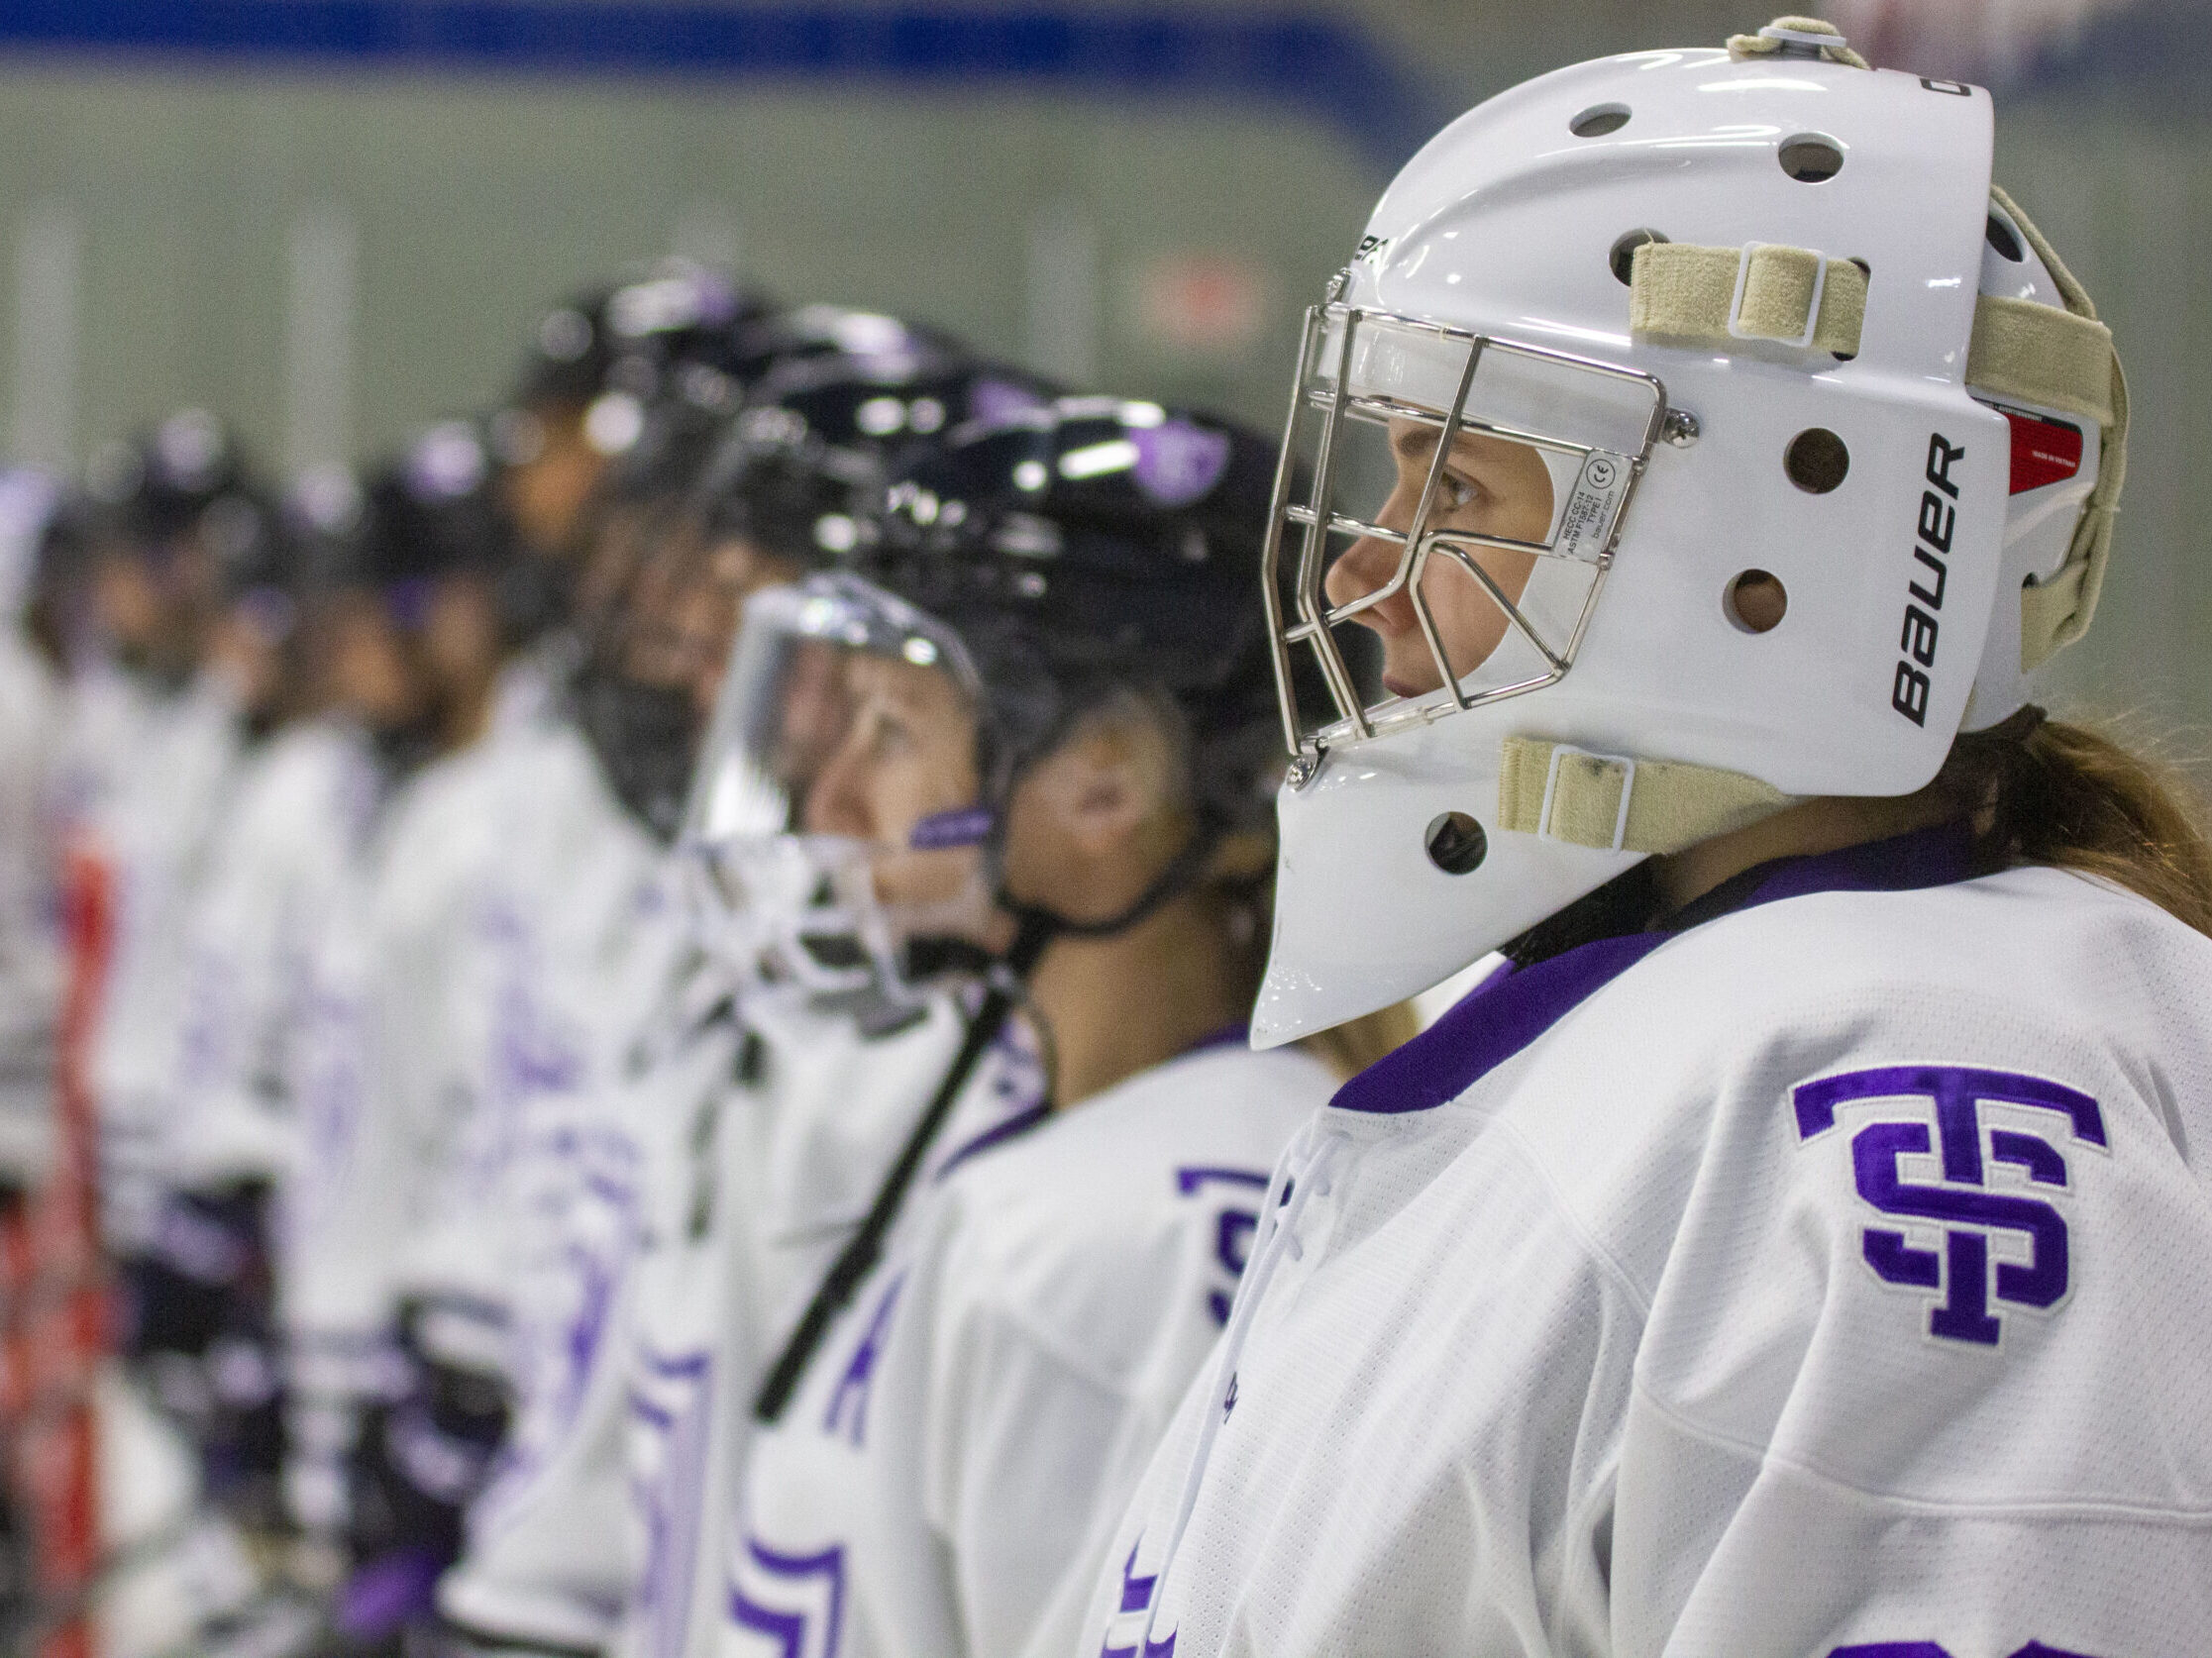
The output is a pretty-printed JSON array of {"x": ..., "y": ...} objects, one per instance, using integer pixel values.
[
  {"x": 1002, "y": 993},
  {"x": 1007, "y": 986}
]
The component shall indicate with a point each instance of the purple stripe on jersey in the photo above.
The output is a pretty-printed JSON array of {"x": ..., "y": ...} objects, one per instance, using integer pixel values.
[
  {"x": 1510, "y": 1010},
  {"x": 1238, "y": 1035},
  {"x": 1891, "y": 1649},
  {"x": 1015, "y": 1126}
]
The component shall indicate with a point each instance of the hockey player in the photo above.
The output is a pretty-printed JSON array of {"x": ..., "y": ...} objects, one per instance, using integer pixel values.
[
  {"x": 685, "y": 554},
  {"x": 152, "y": 733},
  {"x": 464, "y": 1059},
  {"x": 148, "y": 744},
  {"x": 594, "y": 364},
  {"x": 1064, "y": 677},
  {"x": 381, "y": 1105},
  {"x": 589, "y": 940},
  {"x": 1798, "y": 1247},
  {"x": 780, "y": 1113},
  {"x": 292, "y": 838}
]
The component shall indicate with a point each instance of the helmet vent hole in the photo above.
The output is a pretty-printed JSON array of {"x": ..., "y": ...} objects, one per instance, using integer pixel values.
[
  {"x": 1817, "y": 460},
  {"x": 1756, "y": 602},
  {"x": 2002, "y": 237},
  {"x": 1810, "y": 160},
  {"x": 1622, "y": 257},
  {"x": 1598, "y": 119},
  {"x": 1456, "y": 843}
]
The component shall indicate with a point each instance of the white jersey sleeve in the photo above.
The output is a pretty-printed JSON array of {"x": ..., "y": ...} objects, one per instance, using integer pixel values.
[
  {"x": 376, "y": 1110},
  {"x": 1829, "y": 1282}
]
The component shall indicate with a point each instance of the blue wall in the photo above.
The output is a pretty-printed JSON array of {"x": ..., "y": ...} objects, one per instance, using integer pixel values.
[{"x": 1325, "y": 67}]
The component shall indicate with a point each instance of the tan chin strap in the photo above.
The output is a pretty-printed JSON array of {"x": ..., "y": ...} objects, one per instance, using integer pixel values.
[
  {"x": 1693, "y": 295},
  {"x": 2059, "y": 359},
  {"x": 1766, "y": 45},
  {"x": 1620, "y": 805}
]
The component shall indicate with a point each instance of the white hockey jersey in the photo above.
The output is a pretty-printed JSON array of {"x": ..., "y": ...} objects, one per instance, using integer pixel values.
[
  {"x": 950, "y": 1474},
  {"x": 546, "y": 876},
  {"x": 781, "y": 1168},
  {"x": 292, "y": 835},
  {"x": 550, "y": 1561},
  {"x": 433, "y": 849},
  {"x": 1826, "y": 1281},
  {"x": 142, "y": 781},
  {"x": 592, "y": 949},
  {"x": 402, "y": 1209},
  {"x": 336, "y": 1229}
]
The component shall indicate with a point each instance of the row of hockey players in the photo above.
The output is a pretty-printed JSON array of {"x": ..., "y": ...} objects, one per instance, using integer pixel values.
[
  {"x": 806, "y": 1140},
  {"x": 458, "y": 1150}
]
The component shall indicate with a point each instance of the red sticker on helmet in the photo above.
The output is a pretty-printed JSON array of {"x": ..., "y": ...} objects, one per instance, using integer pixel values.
[{"x": 2043, "y": 452}]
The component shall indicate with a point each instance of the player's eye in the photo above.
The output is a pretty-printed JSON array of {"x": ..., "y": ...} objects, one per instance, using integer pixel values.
[
  {"x": 1458, "y": 494},
  {"x": 889, "y": 734}
]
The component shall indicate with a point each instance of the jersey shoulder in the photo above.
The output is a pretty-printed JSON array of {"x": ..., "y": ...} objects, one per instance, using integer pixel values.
[
  {"x": 2034, "y": 932},
  {"x": 2027, "y": 962},
  {"x": 1082, "y": 1230},
  {"x": 300, "y": 775},
  {"x": 1699, "y": 1072},
  {"x": 1926, "y": 1201}
]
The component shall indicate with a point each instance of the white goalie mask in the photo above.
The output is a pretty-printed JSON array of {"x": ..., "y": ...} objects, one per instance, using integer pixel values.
[
  {"x": 792, "y": 907},
  {"x": 1701, "y": 432}
]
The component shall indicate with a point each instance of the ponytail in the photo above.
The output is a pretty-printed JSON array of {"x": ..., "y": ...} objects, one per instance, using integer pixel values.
[{"x": 2044, "y": 791}]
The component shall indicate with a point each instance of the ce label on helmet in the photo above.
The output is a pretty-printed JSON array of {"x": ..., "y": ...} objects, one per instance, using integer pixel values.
[{"x": 1586, "y": 528}]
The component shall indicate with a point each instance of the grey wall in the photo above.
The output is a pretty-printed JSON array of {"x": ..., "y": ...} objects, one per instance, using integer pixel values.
[
  {"x": 469, "y": 204},
  {"x": 2126, "y": 196}
]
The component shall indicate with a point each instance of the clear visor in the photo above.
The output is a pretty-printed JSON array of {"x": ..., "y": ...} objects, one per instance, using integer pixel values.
[
  {"x": 833, "y": 820},
  {"x": 1444, "y": 515}
]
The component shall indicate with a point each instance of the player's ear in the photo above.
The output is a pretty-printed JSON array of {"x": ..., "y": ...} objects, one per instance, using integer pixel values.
[{"x": 1095, "y": 791}]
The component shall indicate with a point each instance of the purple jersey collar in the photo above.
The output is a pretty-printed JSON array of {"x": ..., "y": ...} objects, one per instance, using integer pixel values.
[{"x": 1511, "y": 1008}]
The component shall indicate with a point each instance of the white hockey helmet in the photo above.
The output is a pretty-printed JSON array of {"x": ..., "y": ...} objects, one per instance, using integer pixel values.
[{"x": 1760, "y": 313}]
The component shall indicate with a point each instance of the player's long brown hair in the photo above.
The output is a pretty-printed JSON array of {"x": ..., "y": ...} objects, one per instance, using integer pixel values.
[{"x": 2058, "y": 794}]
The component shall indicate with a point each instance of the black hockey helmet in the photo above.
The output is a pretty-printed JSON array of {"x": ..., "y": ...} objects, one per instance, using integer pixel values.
[
  {"x": 1102, "y": 544},
  {"x": 627, "y": 334},
  {"x": 808, "y": 455},
  {"x": 188, "y": 481},
  {"x": 431, "y": 511}
]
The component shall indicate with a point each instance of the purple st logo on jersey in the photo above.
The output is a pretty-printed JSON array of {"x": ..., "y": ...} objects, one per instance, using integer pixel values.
[
  {"x": 1136, "y": 1597},
  {"x": 1233, "y": 1228},
  {"x": 791, "y": 1606},
  {"x": 1970, "y": 1215}
]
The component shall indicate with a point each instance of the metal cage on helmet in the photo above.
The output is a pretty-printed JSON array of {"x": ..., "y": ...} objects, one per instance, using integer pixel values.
[{"x": 1336, "y": 352}]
